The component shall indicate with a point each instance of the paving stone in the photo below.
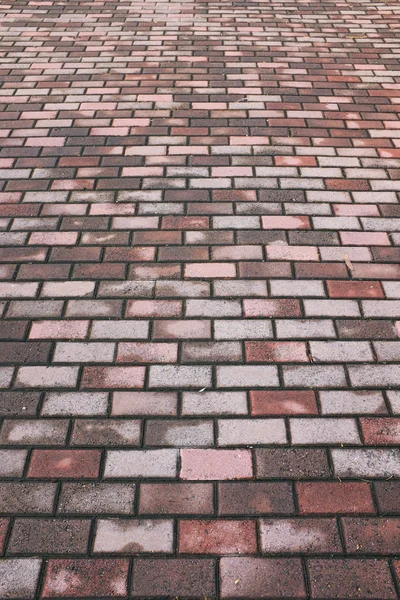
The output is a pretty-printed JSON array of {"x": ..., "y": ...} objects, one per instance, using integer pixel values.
[
  {"x": 133, "y": 536},
  {"x": 19, "y": 577},
  {"x": 351, "y": 402},
  {"x": 176, "y": 498},
  {"x": 141, "y": 463},
  {"x": 215, "y": 464},
  {"x": 255, "y": 498},
  {"x": 224, "y": 536},
  {"x": 371, "y": 535},
  {"x": 49, "y": 536},
  {"x": 144, "y": 403},
  {"x": 244, "y": 432},
  {"x": 324, "y": 431},
  {"x": 291, "y": 463},
  {"x": 333, "y": 497},
  {"x": 106, "y": 432},
  {"x": 96, "y": 498},
  {"x": 245, "y": 577},
  {"x": 368, "y": 462},
  {"x": 18, "y": 403},
  {"x": 214, "y": 403},
  {"x": 179, "y": 376},
  {"x": 50, "y": 432},
  {"x": 97, "y": 577},
  {"x": 387, "y": 495},
  {"x": 190, "y": 577},
  {"x": 307, "y": 536},
  {"x": 12, "y": 462},
  {"x": 349, "y": 578},
  {"x": 247, "y": 376},
  {"x": 75, "y": 404},
  {"x": 27, "y": 498},
  {"x": 179, "y": 433}
]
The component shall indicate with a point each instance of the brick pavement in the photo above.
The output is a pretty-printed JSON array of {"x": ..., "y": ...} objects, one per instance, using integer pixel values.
[{"x": 200, "y": 299}]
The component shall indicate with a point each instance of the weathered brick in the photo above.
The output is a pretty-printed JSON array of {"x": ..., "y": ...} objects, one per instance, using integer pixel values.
[
  {"x": 368, "y": 462},
  {"x": 194, "y": 578},
  {"x": 75, "y": 403},
  {"x": 243, "y": 577},
  {"x": 144, "y": 403},
  {"x": 216, "y": 464},
  {"x": 299, "y": 535},
  {"x": 96, "y": 498},
  {"x": 74, "y": 464},
  {"x": 333, "y": 497},
  {"x": 222, "y": 537},
  {"x": 255, "y": 498},
  {"x": 141, "y": 463},
  {"x": 371, "y": 535},
  {"x": 52, "y": 536},
  {"x": 19, "y": 577},
  {"x": 240, "y": 432},
  {"x": 96, "y": 577},
  {"x": 350, "y": 578},
  {"x": 176, "y": 498},
  {"x": 283, "y": 402},
  {"x": 291, "y": 463},
  {"x": 214, "y": 403},
  {"x": 47, "y": 377},
  {"x": 134, "y": 536},
  {"x": 179, "y": 433},
  {"x": 351, "y": 402},
  {"x": 12, "y": 462},
  {"x": 247, "y": 376}
]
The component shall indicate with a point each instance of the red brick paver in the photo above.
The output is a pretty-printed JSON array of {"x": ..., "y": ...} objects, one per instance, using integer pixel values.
[{"x": 199, "y": 299}]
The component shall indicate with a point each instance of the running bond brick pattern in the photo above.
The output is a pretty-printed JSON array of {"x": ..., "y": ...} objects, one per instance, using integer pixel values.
[{"x": 200, "y": 299}]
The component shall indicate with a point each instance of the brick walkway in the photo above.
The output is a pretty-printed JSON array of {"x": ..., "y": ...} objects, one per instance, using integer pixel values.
[{"x": 199, "y": 289}]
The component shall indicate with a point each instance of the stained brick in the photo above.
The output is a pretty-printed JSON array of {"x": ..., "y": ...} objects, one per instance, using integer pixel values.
[
  {"x": 94, "y": 577},
  {"x": 133, "y": 536},
  {"x": 283, "y": 402},
  {"x": 308, "y": 536},
  {"x": 52, "y": 464},
  {"x": 255, "y": 498},
  {"x": 176, "y": 498}
]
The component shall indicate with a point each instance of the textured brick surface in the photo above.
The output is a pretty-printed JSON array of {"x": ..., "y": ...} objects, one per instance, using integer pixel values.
[{"x": 199, "y": 299}]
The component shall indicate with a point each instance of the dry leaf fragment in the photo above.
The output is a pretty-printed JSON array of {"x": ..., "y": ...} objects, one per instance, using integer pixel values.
[{"x": 348, "y": 262}]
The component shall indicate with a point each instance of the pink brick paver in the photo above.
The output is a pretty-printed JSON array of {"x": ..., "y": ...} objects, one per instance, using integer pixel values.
[{"x": 199, "y": 300}]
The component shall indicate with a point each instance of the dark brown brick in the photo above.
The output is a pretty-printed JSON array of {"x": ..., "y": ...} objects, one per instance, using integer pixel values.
[
  {"x": 291, "y": 463},
  {"x": 49, "y": 536},
  {"x": 255, "y": 498},
  {"x": 192, "y": 578}
]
